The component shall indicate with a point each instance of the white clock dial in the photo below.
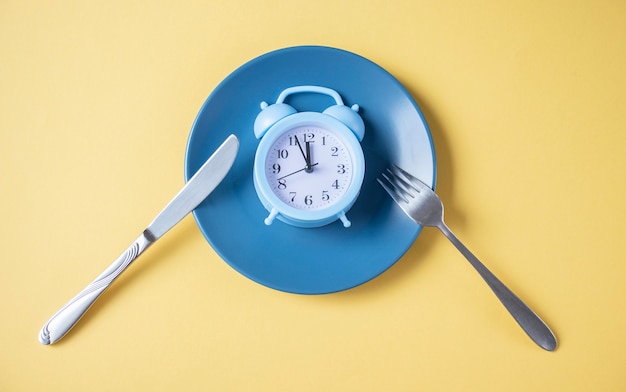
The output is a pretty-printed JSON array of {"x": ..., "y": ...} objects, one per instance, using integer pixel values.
[{"x": 309, "y": 167}]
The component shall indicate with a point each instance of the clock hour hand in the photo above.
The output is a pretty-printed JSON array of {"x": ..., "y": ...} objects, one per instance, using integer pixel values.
[{"x": 307, "y": 158}]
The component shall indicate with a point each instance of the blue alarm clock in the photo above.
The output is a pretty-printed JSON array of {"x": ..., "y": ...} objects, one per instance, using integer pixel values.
[{"x": 309, "y": 166}]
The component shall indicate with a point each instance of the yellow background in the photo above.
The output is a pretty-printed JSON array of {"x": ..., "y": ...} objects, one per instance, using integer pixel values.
[{"x": 526, "y": 102}]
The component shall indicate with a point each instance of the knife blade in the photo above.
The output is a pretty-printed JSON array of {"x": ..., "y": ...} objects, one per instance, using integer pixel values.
[{"x": 199, "y": 186}]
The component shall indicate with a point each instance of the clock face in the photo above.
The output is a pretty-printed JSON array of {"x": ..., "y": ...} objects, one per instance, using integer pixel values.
[{"x": 309, "y": 167}]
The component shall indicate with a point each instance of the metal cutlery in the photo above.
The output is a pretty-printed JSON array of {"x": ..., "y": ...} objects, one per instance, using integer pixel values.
[
  {"x": 424, "y": 207},
  {"x": 199, "y": 186}
]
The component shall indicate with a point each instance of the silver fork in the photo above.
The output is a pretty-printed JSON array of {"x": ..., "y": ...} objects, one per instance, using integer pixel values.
[{"x": 423, "y": 205}]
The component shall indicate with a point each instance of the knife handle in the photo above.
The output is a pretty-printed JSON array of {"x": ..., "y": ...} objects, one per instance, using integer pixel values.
[{"x": 63, "y": 320}]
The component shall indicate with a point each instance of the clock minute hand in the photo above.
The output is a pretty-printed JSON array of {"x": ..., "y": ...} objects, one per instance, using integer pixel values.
[{"x": 297, "y": 171}]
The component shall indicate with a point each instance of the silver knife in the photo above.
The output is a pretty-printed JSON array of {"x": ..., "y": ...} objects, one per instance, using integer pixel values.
[{"x": 190, "y": 196}]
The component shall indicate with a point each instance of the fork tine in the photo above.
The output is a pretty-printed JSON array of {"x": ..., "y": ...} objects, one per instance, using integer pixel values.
[
  {"x": 400, "y": 184},
  {"x": 407, "y": 187},
  {"x": 396, "y": 186},
  {"x": 392, "y": 190},
  {"x": 416, "y": 183}
]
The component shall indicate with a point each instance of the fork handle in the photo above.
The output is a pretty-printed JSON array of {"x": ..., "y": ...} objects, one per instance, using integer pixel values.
[{"x": 536, "y": 329}]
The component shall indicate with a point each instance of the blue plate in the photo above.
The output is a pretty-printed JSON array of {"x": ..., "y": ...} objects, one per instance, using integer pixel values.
[{"x": 331, "y": 258}]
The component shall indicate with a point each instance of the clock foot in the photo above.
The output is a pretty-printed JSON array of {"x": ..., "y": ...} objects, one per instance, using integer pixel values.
[
  {"x": 270, "y": 218},
  {"x": 344, "y": 220}
]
